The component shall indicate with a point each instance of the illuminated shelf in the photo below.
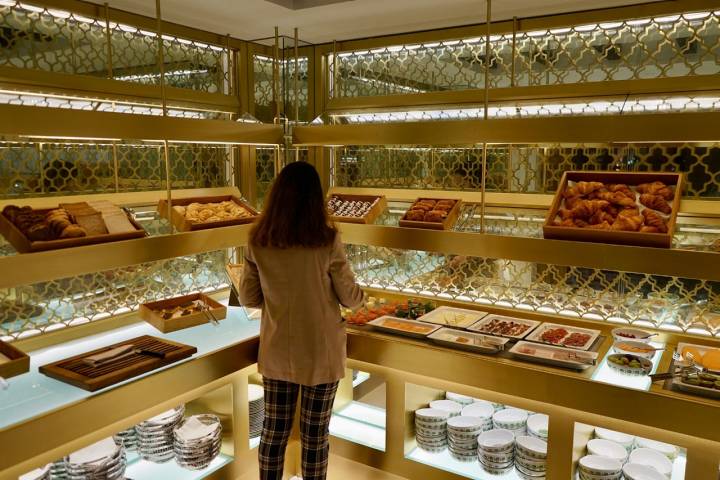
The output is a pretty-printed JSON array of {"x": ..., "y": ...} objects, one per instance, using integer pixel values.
[
  {"x": 139, "y": 469},
  {"x": 360, "y": 423},
  {"x": 445, "y": 461}
]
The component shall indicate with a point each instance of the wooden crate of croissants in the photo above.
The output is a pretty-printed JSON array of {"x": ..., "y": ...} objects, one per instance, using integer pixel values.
[
  {"x": 69, "y": 225},
  {"x": 199, "y": 213},
  {"x": 616, "y": 207},
  {"x": 432, "y": 213}
]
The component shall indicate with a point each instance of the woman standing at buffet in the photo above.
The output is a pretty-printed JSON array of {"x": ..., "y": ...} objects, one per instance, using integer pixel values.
[{"x": 296, "y": 271}]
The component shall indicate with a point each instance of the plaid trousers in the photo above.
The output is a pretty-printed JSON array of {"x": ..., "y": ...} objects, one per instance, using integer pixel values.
[{"x": 315, "y": 411}]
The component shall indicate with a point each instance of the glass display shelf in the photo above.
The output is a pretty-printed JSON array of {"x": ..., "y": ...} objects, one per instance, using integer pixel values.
[
  {"x": 33, "y": 393},
  {"x": 603, "y": 372},
  {"x": 444, "y": 461},
  {"x": 139, "y": 469},
  {"x": 360, "y": 423}
]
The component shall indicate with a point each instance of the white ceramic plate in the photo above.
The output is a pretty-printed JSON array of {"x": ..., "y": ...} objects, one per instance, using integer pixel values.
[
  {"x": 453, "y": 317},
  {"x": 634, "y": 334},
  {"x": 408, "y": 328},
  {"x": 485, "y": 326},
  {"x": 552, "y": 355},
  {"x": 536, "y": 335},
  {"x": 470, "y": 341}
]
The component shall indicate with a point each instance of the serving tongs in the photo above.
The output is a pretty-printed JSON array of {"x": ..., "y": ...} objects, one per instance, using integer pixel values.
[
  {"x": 207, "y": 311},
  {"x": 573, "y": 356},
  {"x": 680, "y": 370},
  {"x": 119, "y": 353}
]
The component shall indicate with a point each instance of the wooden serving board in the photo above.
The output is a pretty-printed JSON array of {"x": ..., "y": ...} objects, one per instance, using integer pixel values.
[
  {"x": 24, "y": 245},
  {"x": 447, "y": 224},
  {"x": 184, "y": 225},
  {"x": 370, "y": 217},
  {"x": 18, "y": 362},
  {"x": 76, "y": 372},
  {"x": 150, "y": 313},
  {"x": 661, "y": 240}
]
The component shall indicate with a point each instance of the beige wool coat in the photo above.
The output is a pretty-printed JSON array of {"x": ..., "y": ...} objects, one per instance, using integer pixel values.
[{"x": 302, "y": 335}]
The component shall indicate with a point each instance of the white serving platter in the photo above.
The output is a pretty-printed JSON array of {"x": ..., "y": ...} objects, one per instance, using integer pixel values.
[
  {"x": 536, "y": 335},
  {"x": 483, "y": 326},
  {"x": 411, "y": 327},
  {"x": 552, "y": 355},
  {"x": 453, "y": 317},
  {"x": 475, "y": 342}
]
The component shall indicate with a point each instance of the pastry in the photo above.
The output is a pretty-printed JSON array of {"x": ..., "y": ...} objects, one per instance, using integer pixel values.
[
  {"x": 627, "y": 224},
  {"x": 621, "y": 188},
  {"x": 587, "y": 208},
  {"x": 416, "y": 215},
  {"x": 92, "y": 223},
  {"x": 340, "y": 207},
  {"x": 73, "y": 231},
  {"x": 657, "y": 188},
  {"x": 617, "y": 198},
  {"x": 435, "y": 216},
  {"x": 39, "y": 232},
  {"x": 601, "y": 226},
  {"x": 656, "y": 202},
  {"x": 653, "y": 219},
  {"x": 648, "y": 229},
  {"x": 583, "y": 188}
]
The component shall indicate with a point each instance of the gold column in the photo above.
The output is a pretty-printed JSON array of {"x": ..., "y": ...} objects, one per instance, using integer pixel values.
[
  {"x": 108, "y": 37},
  {"x": 276, "y": 74},
  {"x": 514, "y": 52}
]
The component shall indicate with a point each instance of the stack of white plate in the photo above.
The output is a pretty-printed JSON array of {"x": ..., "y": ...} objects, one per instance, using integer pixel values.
[
  {"x": 627, "y": 441},
  {"x": 103, "y": 460},
  {"x": 607, "y": 448},
  {"x": 652, "y": 458},
  {"x": 461, "y": 399},
  {"x": 37, "y": 474},
  {"x": 530, "y": 457},
  {"x": 453, "y": 409},
  {"x": 431, "y": 429},
  {"x": 58, "y": 471},
  {"x": 595, "y": 467},
  {"x": 512, "y": 419},
  {"x": 127, "y": 438},
  {"x": 462, "y": 435},
  {"x": 155, "y": 436},
  {"x": 197, "y": 441},
  {"x": 537, "y": 426},
  {"x": 496, "y": 451},
  {"x": 256, "y": 399}
]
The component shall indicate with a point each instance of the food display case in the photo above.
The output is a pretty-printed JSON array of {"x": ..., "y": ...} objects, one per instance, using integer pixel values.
[{"x": 482, "y": 309}]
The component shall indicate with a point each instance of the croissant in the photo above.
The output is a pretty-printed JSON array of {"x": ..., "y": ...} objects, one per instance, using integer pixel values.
[
  {"x": 587, "y": 208},
  {"x": 583, "y": 188},
  {"x": 601, "y": 226},
  {"x": 617, "y": 198},
  {"x": 656, "y": 202},
  {"x": 600, "y": 217},
  {"x": 627, "y": 224},
  {"x": 564, "y": 223},
  {"x": 647, "y": 229},
  {"x": 657, "y": 188},
  {"x": 571, "y": 202},
  {"x": 621, "y": 188},
  {"x": 629, "y": 212},
  {"x": 580, "y": 223},
  {"x": 653, "y": 219},
  {"x": 565, "y": 213}
]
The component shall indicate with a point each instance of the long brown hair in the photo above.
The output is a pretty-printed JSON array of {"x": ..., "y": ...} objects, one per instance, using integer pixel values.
[{"x": 294, "y": 214}]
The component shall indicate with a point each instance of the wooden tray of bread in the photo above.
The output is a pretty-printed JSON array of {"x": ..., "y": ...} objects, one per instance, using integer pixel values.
[
  {"x": 351, "y": 208},
  {"x": 432, "y": 213},
  {"x": 624, "y": 208},
  {"x": 199, "y": 213},
  {"x": 12, "y": 361},
  {"x": 119, "y": 362},
  {"x": 69, "y": 225},
  {"x": 182, "y": 312}
]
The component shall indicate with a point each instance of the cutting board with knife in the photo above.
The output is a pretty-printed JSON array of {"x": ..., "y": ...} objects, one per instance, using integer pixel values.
[{"x": 119, "y": 362}]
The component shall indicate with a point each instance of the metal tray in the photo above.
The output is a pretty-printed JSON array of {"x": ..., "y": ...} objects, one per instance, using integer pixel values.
[
  {"x": 537, "y": 334},
  {"x": 469, "y": 317},
  {"x": 448, "y": 337},
  {"x": 518, "y": 351},
  {"x": 381, "y": 325}
]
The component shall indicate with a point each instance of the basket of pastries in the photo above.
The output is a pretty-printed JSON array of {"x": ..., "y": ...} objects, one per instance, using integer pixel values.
[
  {"x": 68, "y": 225},
  {"x": 355, "y": 208},
  {"x": 198, "y": 213},
  {"x": 436, "y": 214},
  {"x": 616, "y": 207}
]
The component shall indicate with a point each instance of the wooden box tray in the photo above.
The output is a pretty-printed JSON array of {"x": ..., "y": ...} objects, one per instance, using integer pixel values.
[
  {"x": 370, "y": 217},
  {"x": 662, "y": 240},
  {"x": 150, "y": 312},
  {"x": 76, "y": 372},
  {"x": 184, "y": 225},
  {"x": 12, "y": 361},
  {"x": 24, "y": 245},
  {"x": 445, "y": 225}
]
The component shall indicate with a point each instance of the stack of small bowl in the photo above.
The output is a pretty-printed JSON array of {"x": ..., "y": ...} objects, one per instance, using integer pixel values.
[
  {"x": 463, "y": 400},
  {"x": 512, "y": 419},
  {"x": 482, "y": 410},
  {"x": 596, "y": 467},
  {"x": 256, "y": 399},
  {"x": 537, "y": 426},
  {"x": 127, "y": 438},
  {"x": 623, "y": 439},
  {"x": 496, "y": 451},
  {"x": 431, "y": 429},
  {"x": 42, "y": 473},
  {"x": 462, "y": 435},
  {"x": 530, "y": 457},
  {"x": 58, "y": 471},
  {"x": 607, "y": 448},
  {"x": 155, "y": 435},
  {"x": 651, "y": 458},
  {"x": 197, "y": 441},
  {"x": 453, "y": 409},
  {"x": 103, "y": 460}
]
